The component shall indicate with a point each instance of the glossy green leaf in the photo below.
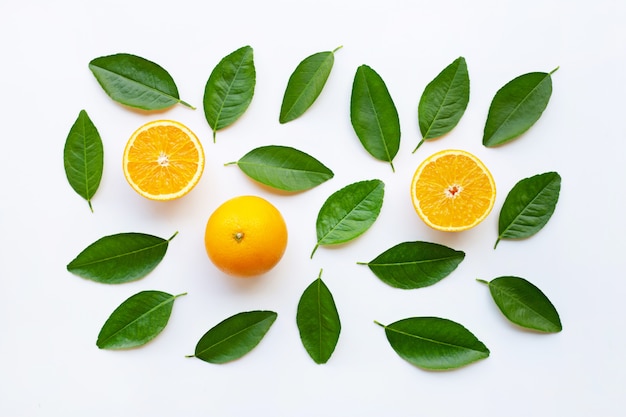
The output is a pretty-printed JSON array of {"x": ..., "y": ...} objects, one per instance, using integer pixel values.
[
  {"x": 349, "y": 212},
  {"x": 229, "y": 89},
  {"x": 283, "y": 168},
  {"x": 411, "y": 265},
  {"x": 524, "y": 304},
  {"x": 434, "y": 343},
  {"x": 444, "y": 101},
  {"x": 528, "y": 206},
  {"x": 234, "y": 337},
  {"x": 318, "y": 321},
  {"x": 516, "y": 107},
  {"x": 120, "y": 258},
  {"x": 137, "y": 320},
  {"x": 305, "y": 84},
  {"x": 136, "y": 82},
  {"x": 83, "y": 157},
  {"x": 374, "y": 116}
]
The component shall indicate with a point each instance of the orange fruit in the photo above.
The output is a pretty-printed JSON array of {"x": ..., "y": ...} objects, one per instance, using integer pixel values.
[
  {"x": 163, "y": 160},
  {"x": 452, "y": 190},
  {"x": 245, "y": 236}
]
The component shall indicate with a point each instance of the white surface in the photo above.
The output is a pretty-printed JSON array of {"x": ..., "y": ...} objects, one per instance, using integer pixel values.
[{"x": 49, "y": 319}]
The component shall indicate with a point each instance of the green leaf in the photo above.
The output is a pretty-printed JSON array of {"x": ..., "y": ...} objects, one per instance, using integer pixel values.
[
  {"x": 349, "y": 212},
  {"x": 318, "y": 321},
  {"x": 120, "y": 258},
  {"x": 528, "y": 206},
  {"x": 83, "y": 157},
  {"x": 524, "y": 304},
  {"x": 137, "y": 320},
  {"x": 434, "y": 343},
  {"x": 229, "y": 89},
  {"x": 374, "y": 116},
  {"x": 411, "y": 265},
  {"x": 283, "y": 168},
  {"x": 305, "y": 85},
  {"x": 444, "y": 101},
  {"x": 234, "y": 337},
  {"x": 136, "y": 82},
  {"x": 516, "y": 107}
]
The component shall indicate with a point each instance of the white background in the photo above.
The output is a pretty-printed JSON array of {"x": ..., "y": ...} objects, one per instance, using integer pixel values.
[{"x": 49, "y": 318}]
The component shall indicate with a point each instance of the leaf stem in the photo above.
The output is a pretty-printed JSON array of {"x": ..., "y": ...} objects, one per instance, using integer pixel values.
[
  {"x": 190, "y": 356},
  {"x": 317, "y": 245},
  {"x": 180, "y": 295},
  {"x": 90, "y": 206},
  {"x": 337, "y": 48},
  {"x": 230, "y": 163},
  {"x": 184, "y": 103},
  {"x": 361, "y": 263},
  {"x": 380, "y": 324},
  {"x": 214, "y": 136},
  {"x": 173, "y": 236},
  {"x": 418, "y": 145},
  {"x": 554, "y": 70},
  {"x": 482, "y": 281},
  {"x": 393, "y": 169},
  {"x": 496, "y": 244}
]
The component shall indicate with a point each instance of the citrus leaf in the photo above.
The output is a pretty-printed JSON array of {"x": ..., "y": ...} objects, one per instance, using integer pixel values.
[
  {"x": 136, "y": 82},
  {"x": 524, "y": 304},
  {"x": 374, "y": 116},
  {"x": 119, "y": 258},
  {"x": 234, "y": 337},
  {"x": 434, "y": 343},
  {"x": 318, "y": 321},
  {"x": 516, "y": 107},
  {"x": 229, "y": 89},
  {"x": 444, "y": 101},
  {"x": 349, "y": 212},
  {"x": 283, "y": 168},
  {"x": 528, "y": 206},
  {"x": 137, "y": 320},
  {"x": 83, "y": 157},
  {"x": 305, "y": 85},
  {"x": 410, "y": 265}
]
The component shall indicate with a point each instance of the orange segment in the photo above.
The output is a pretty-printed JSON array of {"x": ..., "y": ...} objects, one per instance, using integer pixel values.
[
  {"x": 163, "y": 160},
  {"x": 452, "y": 190}
]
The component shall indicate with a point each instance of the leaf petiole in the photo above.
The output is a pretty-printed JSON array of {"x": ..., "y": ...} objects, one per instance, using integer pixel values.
[{"x": 418, "y": 145}]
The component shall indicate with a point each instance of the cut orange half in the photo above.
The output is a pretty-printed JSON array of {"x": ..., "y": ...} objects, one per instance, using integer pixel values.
[
  {"x": 163, "y": 160},
  {"x": 452, "y": 190}
]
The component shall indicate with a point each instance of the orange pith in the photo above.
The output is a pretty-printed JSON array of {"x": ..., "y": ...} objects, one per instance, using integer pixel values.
[
  {"x": 452, "y": 190},
  {"x": 163, "y": 160},
  {"x": 245, "y": 236}
]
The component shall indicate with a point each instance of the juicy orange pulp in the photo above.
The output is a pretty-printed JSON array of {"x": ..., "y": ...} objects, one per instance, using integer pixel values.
[
  {"x": 163, "y": 160},
  {"x": 452, "y": 190}
]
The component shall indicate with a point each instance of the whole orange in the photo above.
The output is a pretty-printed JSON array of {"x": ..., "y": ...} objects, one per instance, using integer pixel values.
[{"x": 245, "y": 236}]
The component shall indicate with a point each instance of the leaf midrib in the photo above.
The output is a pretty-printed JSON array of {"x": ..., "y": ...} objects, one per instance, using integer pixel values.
[
  {"x": 437, "y": 342},
  {"x": 156, "y": 307},
  {"x": 423, "y": 261},
  {"x": 378, "y": 124},
  {"x": 443, "y": 102},
  {"x": 510, "y": 115},
  {"x": 521, "y": 213},
  {"x": 230, "y": 86},
  {"x": 512, "y": 296},
  {"x": 110, "y": 258},
  {"x": 135, "y": 82},
  {"x": 288, "y": 114},
  {"x": 341, "y": 220},
  {"x": 245, "y": 329}
]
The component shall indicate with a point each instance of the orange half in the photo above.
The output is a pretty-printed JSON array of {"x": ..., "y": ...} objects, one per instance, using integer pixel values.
[
  {"x": 163, "y": 160},
  {"x": 452, "y": 190}
]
